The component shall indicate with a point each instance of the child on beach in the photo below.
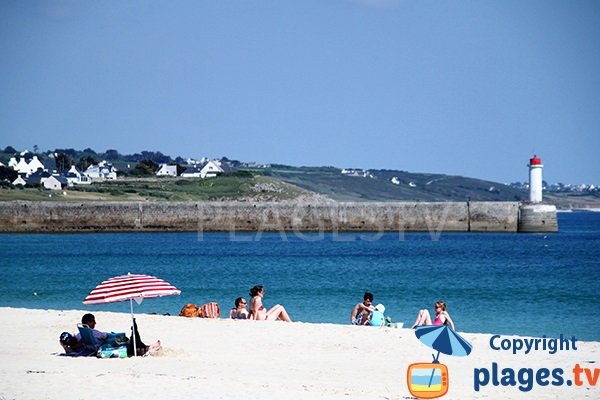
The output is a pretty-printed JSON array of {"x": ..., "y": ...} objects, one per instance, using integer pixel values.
[
  {"x": 259, "y": 312},
  {"x": 441, "y": 316}
]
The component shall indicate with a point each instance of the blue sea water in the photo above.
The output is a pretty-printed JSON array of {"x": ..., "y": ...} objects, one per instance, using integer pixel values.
[{"x": 526, "y": 284}]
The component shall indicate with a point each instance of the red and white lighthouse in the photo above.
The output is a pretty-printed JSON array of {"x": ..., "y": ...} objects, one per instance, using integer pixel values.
[{"x": 535, "y": 179}]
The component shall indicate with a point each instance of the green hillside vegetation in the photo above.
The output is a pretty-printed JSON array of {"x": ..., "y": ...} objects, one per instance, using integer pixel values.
[
  {"x": 136, "y": 182},
  {"x": 194, "y": 189},
  {"x": 412, "y": 186},
  {"x": 251, "y": 187}
]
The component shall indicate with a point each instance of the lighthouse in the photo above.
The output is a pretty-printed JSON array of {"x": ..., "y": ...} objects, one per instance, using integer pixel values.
[{"x": 535, "y": 179}]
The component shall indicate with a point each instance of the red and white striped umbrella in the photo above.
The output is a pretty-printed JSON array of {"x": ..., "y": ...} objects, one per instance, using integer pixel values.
[{"x": 130, "y": 287}]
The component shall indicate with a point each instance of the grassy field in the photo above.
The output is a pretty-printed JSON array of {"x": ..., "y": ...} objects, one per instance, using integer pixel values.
[
  {"x": 256, "y": 188},
  {"x": 412, "y": 186}
]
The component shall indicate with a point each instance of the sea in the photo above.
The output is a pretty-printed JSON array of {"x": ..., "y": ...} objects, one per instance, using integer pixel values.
[{"x": 505, "y": 283}]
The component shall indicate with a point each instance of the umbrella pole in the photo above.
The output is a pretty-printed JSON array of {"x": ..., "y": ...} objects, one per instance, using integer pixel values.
[
  {"x": 133, "y": 328},
  {"x": 435, "y": 361}
]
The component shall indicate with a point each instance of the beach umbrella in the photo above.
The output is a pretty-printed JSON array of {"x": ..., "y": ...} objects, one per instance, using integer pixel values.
[
  {"x": 130, "y": 287},
  {"x": 443, "y": 339}
]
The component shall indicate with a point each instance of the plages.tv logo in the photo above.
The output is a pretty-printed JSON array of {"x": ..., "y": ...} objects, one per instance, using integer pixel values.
[{"x": 431, "y": 380}]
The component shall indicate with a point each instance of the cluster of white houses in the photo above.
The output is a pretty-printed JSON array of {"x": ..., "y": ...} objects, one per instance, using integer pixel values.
[
  {"x": 33, "y": 172},
  {"x": 203, "y": 169}
]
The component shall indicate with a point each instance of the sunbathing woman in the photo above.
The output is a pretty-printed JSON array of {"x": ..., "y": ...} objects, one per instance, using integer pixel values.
[
  {"x": 441, "y": 316},
  {"x": 259, "y": 312}
]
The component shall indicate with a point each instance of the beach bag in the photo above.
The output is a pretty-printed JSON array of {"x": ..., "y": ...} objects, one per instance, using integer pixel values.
[
  {"x": 377, "y": 318},
  {"x": 189, "y": 310},
  {"x": 107, "y": 351},
  {"x": 209, "y": 310},
  {"x": 117, "y": 339}
]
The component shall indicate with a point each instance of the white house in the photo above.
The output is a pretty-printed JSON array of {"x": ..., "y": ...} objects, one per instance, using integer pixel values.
[
  {"x": 55, "y": 183},
  {"x": 75, "y": 177},
  {"x": 212, "y": 168},
  {"x": 191, "y": 172},
  {"x": 395, "y": 180},
  {"x": 19, "y": 181},
  {"x": 22, "y": 167},
  {"x": 12, "y": 163},
  {"x": 35, "y": 164},
  {"x": 102, "y": 171},
  {"x": 167, "y": 170}
]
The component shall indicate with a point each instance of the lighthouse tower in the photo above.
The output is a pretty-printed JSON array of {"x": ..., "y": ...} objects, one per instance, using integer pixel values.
[
  {"x": 536, "y": 217},
  {"x": 535, "y": 179}
]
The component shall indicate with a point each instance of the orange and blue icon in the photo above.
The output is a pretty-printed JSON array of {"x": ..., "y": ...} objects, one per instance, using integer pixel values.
[
  {"x": 431, "y": 380},
  {"x": 427, "y": 380}
]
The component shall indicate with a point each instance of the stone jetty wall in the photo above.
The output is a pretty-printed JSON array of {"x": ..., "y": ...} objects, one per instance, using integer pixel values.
[{"x": 24, "y": 216}]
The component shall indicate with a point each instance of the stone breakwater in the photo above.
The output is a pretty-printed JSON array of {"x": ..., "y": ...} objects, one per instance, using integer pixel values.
[{"x": 25, "y": 216}]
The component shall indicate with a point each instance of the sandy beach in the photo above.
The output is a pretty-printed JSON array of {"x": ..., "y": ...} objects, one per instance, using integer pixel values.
[{"x": 226, "y": 359}]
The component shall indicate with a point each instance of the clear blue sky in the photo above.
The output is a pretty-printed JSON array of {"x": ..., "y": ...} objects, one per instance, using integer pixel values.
[{"x": 469, "y": 88}]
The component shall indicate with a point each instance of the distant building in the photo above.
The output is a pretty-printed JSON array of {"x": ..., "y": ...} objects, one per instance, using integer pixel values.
[
  {"x": 35, "y": 164},
  {"x": 191, "y": 172},
  {"x": 19, "y": 181},
  {"x": 102, "y": 171},
  {"x": 75, "y": 177},
  {"x": 22, "y": 167},
  {"x": 167, "y": 170},
  {"x": 213, "y": 168},
  {"x": 55, "y": 183},
  {"x": 357, "y": 172},
  {"x": 38, "y": 178}
]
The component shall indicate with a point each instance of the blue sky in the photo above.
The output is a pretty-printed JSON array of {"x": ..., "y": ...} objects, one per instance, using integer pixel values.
[{"x": 469, "y": 88}]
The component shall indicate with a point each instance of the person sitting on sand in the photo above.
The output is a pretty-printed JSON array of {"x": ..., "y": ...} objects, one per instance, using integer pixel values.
[
  {"x": 90, "y": 320},
  {"x": 101, "y": 338},
  {"x": 259, "y": 312},
  {"x": 441, "y": 317},
  {"x": 239, "y": 311},
  {"x": 361, "y": 311}
]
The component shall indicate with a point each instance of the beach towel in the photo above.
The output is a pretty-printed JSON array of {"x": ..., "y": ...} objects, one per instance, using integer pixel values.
[{"x": 209, "y": 310}]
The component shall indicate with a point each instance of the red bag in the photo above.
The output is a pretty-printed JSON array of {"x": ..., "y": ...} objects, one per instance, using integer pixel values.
[{"x": 209, "y": 310}]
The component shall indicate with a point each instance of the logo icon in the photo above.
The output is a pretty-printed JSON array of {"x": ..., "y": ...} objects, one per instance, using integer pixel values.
[
  {"x": 427, "y": 380},
  {"x": 431, "y": 380}
]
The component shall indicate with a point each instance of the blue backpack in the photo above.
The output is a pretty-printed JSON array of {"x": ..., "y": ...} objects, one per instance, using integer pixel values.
[{"x": 377, "y": 318}]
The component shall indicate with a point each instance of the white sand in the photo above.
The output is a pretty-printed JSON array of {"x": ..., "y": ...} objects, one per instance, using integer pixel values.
[{"x": 212, "y": 359}]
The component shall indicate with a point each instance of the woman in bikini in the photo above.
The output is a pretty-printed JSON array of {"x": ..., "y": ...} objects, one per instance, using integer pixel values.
[
  {"x": 259, "y": 312},
  {"x": 441, "y": 316}
]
